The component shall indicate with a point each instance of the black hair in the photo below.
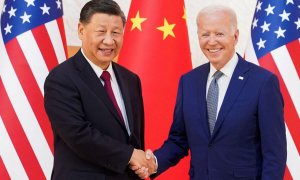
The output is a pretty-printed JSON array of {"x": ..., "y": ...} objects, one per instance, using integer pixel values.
[{"x": 100, "y": 6}]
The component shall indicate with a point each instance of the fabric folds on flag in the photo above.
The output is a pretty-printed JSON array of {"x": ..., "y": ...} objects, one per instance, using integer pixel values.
[
  {"x": 32, "y": 42},
  {"x": 156, "y": 47},
  {"x": 275, "y": 45}
]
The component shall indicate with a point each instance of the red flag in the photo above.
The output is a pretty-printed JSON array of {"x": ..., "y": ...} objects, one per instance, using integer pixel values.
[
  {"x": 156, "y": 47},
  {"x": 275, "y": 45},
  {"x": 32, "y": 42}
]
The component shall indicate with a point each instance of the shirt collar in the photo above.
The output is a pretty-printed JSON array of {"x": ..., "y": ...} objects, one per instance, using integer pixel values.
[
  {"x": 97, "y": 69},
  {"x": 228, "y": 69}
]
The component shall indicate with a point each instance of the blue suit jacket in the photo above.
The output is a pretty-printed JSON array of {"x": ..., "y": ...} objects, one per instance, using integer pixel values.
[{"x": 249, "y": 139}]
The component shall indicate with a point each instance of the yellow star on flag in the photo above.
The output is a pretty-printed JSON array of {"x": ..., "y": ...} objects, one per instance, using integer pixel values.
[
  {"x": 137, "y": 21},
  {"x": 167, "y": 29},
  {"x": 184, "y": 13}
]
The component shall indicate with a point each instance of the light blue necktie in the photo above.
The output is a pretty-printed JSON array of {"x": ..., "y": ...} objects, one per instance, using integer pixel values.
[{"x": 212, "y": 100}]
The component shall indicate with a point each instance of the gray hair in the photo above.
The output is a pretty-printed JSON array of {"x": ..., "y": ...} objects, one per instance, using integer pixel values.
[{"x": 219, "y": 8}]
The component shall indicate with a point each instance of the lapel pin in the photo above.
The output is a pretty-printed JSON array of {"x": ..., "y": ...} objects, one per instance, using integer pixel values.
[{"x": 241, "y": 78}]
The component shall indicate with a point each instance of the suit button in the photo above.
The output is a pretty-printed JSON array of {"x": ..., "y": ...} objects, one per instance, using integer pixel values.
[{"x": 210, "y": 145}]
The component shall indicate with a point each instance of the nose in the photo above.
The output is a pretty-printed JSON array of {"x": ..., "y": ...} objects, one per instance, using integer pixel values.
[
  {"x": 212, "y": 40},
  {"x": 108, "y": 39}
]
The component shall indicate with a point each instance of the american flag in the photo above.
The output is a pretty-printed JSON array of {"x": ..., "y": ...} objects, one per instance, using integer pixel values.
[
  {"x": 275, "y": 45},
  {"x": 32, "y": 42}
]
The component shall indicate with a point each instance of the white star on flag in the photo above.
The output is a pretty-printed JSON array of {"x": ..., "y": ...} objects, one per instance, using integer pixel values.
[
  {"x": 261, "y": 43},
  {"x": 289, "y": 1},
  {"x": 265, "y": 27},
  {"x": 25, "y": 17},
  {"x": 58, "y": 4},
  {"x": 8, "y": 28},
  {"x": 298, "y": 23},
  {"x": 270, "y": 9},
  {"x": 258, "y": 7},
  {"x": 30, "y": 2},
  {"x": 45, "y": 9},
  {"x": 280, "y": 32},
  {"x": 284, "y": 16},
  {"x": 254, "y": 24},
  {"x": 12, "y": 12}
]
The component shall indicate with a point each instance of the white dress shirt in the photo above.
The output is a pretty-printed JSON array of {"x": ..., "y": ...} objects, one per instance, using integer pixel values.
[
  {"x": 224, "y": 80},
  {"x": 115, "y": 88}
]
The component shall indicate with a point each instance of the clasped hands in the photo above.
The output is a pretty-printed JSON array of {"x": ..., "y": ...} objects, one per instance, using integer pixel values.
[{"x": 143, "y": 163}]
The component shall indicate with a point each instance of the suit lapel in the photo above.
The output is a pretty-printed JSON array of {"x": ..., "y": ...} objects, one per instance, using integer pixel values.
[
  {"x": 202, "y": 97},
  {"x": 237, "y": 82},
  {"x": 125, "y": 94},
  {"x": 93, "y": 82}
]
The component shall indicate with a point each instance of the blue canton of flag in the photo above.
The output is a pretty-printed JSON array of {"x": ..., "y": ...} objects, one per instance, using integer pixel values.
[
  {"x": 20, "y": 16},
  {"x": 275, "y": 23}
]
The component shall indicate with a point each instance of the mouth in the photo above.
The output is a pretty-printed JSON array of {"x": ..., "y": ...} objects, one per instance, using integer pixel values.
[
  {"x": 214, "y": 50},
  {"x": 106, "y": 51}
]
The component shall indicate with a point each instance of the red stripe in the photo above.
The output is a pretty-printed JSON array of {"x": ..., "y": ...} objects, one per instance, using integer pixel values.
[
  {"x": 43, "y": 40},
  {"x": 18, "y": 137},
  {"x": 61, "y": 27},
  {"x": 293, "y": 49},
  {"x": 290, "y": 113},
  {"x": 287, "y": 174},
  {"x": 30, "y": 88},
  {"x": 3, "y": 172}
]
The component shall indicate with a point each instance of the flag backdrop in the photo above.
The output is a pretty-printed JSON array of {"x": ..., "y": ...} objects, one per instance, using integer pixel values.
[
  {"x": 32, "y": 42},
  {"x": 275, "y": 45},
  {"x": 156, "y": 47}
]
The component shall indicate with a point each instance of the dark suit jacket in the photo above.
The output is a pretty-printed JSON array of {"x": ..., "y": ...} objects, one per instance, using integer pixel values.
[
  {"x": 249, "y": 139},
  {"x": 90, "y": 140}
]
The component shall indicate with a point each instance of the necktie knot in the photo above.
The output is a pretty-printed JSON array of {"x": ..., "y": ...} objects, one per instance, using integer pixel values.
[
  {"x": 217, "y": 75},
  {"x": 105, "y": 76}
]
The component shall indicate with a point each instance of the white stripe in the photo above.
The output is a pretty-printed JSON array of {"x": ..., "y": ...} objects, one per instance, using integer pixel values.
[
  {"x": 293, "y": 158},
  {"x": 55, "y": 37},
  {"x": 26, "y": 117},
  {"x": 250, "y": 54},
  {"x": 9, "y": 155},
  {"x": 34, "y": 58},
  {"x": 289, "y": 74}
]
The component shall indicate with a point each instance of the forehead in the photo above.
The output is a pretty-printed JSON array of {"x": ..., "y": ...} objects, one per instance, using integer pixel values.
[
  {"x": 214, "y": 20},
  {"x": 105, "y": 19}
]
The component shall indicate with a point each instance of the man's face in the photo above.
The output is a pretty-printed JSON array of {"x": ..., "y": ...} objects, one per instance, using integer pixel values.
[
  {"x": 102, "y": 38},
  {"x": 217, "y": 38}
]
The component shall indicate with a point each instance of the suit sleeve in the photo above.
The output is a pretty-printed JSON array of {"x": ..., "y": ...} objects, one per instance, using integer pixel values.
[
  {"x": 68, "y": 119},
  {"x": 272, "y": 130},
  {"x": 176, "y": 146}
]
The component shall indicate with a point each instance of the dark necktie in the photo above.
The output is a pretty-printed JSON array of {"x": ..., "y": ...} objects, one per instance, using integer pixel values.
[
  {"x": 212, "y": 100},
  {"x": 107, "y": 85}
]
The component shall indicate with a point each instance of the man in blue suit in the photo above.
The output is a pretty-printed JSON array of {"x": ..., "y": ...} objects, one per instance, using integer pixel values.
[{"x": 238, "y": 133}]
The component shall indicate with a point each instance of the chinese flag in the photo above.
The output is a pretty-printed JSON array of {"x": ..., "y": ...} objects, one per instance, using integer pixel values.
[{"x": 156, "y": 47}]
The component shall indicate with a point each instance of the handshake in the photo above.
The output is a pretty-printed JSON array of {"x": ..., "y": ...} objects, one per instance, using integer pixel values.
[{"x": 143, "y": 163}]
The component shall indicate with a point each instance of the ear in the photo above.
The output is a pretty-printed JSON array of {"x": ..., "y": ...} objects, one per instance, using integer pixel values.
[
  {"x": 80, "y": 30},
  {"x": 236, "y": 36}
]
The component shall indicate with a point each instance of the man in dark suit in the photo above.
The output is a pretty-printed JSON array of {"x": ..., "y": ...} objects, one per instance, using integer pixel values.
[
  {"x": 229, "y": 112},
  {"x": 95, "y": 105}
]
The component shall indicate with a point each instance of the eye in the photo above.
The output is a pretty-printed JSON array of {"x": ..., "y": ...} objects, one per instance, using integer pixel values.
[
  {"x": 220, "y": 34},
  {"x": 100, "y": 31}
]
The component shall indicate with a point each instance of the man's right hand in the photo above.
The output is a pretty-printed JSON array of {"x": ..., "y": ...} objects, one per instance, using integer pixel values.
[{"x": 143, "y": 163}]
